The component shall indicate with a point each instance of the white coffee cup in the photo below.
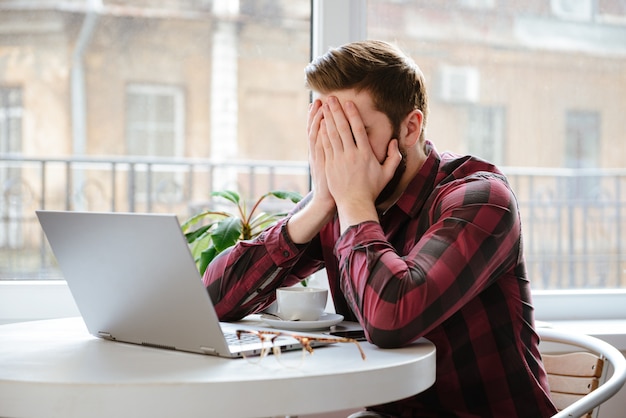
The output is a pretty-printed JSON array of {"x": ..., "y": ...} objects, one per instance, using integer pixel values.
[{"x": 301, "y": 303}]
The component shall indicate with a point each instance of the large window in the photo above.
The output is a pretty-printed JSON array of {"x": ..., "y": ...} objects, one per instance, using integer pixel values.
[
  {"x": 537, "y": 88},
  {"x": 145, "y": 106},
  {"x": 187, "y": 97},
  {"x": 155, "y": 121},
  {"x": 13, "y": 190}
]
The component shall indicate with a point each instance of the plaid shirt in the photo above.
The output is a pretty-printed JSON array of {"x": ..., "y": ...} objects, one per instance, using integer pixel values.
[{"x": 445, "y": 262}]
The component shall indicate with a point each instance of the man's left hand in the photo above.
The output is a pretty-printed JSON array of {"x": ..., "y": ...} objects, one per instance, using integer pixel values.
[{"x": 354, "y": 174}]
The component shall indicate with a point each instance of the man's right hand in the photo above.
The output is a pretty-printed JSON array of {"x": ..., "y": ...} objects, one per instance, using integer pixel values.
[
  {"x": 321, "y": 194},
  {"x": 307, "y": 223}
]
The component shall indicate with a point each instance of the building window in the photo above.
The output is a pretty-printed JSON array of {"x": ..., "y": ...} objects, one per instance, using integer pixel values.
[
  {"x": 156, "y": 105},
  {"x": 582, "y": 139},
  {"x": 14, "y": 192},
  {"x": 512, "y": 85},
  {"x": 485, "y": 133},
  {"x": 581, "y": 10},
  {"x": 582, "y": 151},
  {"x": 155, "y": 128},
  {"x": 477, "y": 4},
  {"x": 459, "y": 84},
  {"x": 10, "y": 120},
  {"x": 154, "y": 120}
]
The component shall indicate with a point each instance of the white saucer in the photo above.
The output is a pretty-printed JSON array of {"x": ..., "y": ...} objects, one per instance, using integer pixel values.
[{"x": 327, "y": 320}]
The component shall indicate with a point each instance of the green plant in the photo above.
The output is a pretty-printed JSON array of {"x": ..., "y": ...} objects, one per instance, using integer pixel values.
[{"x": 211, "y": 232}]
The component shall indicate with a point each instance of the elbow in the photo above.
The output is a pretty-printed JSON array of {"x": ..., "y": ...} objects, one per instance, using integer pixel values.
[{"x": 386, "y": 338}]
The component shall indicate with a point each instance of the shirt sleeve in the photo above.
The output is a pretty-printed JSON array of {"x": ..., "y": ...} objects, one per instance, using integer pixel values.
[
  {"x": 242, "y": 279},
  {"x": 471, "y": 238}
]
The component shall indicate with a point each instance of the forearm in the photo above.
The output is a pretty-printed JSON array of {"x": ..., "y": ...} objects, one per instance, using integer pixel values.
[
  {"x": 400, "y": 297},
  {"x": 352, "y": 212},
  {"x": 242, "y": 280},
  {"x": 391, "y": 294},
  {"x": 305, "y": 224}
]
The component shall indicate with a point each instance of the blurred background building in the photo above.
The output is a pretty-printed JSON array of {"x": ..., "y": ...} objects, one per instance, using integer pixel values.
[{"x": 150, "y": 105}]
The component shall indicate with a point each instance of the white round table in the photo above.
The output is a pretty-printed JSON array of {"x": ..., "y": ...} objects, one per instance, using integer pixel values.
[{"x": 55, "y": 368}]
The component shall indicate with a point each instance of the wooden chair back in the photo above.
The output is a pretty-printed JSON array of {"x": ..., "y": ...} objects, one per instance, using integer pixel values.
[{"x": 572, "y": 376}]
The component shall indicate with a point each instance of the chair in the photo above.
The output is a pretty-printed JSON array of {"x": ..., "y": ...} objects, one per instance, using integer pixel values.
[{"x": 578, "y": 379}]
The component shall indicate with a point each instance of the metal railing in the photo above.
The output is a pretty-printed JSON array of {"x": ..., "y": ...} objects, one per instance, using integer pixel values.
[
  {"x": 573, "y": 220},
  {"x": 574, "y": 225},
  {"x": 119, "y": 184}
]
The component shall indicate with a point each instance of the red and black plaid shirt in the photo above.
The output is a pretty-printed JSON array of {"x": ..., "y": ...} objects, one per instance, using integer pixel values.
[{"x": 445, "y": 262}]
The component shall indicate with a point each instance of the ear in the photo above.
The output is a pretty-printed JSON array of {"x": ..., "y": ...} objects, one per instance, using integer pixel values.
[{"x": 412, "y": 127}]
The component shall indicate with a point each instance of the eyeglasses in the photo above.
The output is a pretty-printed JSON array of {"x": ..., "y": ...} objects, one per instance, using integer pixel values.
[{"x": 268, "y": 340}]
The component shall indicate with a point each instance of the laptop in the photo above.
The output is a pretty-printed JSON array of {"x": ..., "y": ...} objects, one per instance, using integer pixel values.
[{"x": 134, "y": 280}]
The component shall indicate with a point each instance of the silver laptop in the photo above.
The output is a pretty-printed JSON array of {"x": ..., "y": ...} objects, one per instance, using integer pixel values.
[{"x": 134, "y": 280}]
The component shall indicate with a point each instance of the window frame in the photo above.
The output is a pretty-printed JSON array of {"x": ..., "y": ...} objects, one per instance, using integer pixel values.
[
  {"x": 152, "y": 127},
  {"x": 493, "y": 117},
  {"x": 152, "y": 91},
  {"x": 28, "y": 300},
  {"x": 11, "y": 117}
]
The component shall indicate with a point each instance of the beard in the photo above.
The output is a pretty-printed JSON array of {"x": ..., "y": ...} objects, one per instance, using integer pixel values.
[{"x": 392, "y": 185}]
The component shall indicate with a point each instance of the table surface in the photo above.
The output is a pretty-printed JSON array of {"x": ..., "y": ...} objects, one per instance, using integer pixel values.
[{"x": 55, "y": 368}]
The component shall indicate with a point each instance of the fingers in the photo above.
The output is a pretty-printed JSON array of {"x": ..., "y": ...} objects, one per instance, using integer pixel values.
[
  {"x": 330, "y": 132},
  {"x": 315, "y": 129},
  {"x": 355, "y": 123},
  {"x": 325, "y": 141},
  {"x": 314, "y": 115},
  {"x": 313, "y": 124},
  {"x": 394, "y": 157},
  {"x": 344, "y": 125}
]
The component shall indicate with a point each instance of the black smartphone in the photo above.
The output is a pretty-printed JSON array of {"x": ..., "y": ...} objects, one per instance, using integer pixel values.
[{"x": 355, "y": 334}]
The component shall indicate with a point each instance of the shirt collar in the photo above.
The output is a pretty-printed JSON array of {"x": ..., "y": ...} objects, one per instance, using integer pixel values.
[{"x": 421, "y": 187}]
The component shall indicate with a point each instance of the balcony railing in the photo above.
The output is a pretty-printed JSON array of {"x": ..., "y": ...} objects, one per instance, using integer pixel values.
[{"x": 573, "y": 220}]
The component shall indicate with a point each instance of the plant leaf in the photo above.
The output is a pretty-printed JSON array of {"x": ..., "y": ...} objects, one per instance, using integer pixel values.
[
  {"x": 200, "y": 244},
  {"x": 262, "y": 221},
  {"x": 196, "y": 218},
  {"x": 205, "y": 259},
  {"x": 226, "y": 233},
  {"x": 194, "y": 235},
  {"x": 295, "y": 197},
  {"x": 228, "y": 195},
  {"x": 224, "y": 229}
]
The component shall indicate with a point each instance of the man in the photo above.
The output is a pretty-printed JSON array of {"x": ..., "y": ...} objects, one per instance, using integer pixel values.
[{"x": 415, "y": 243}]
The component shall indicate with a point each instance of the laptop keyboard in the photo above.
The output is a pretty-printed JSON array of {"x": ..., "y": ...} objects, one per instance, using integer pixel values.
[{"x": 231, "y": 338}]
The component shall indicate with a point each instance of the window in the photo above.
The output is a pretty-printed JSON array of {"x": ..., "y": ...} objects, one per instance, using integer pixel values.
[
  {"x": 514, "y": 83},
  {"x": 14, "y": 191},
  {"x": 532, "y": 72},
  {"x": 155, "y": 120},
  {"x": 156, "y": 105},
  {"x": 582, "y": 151},
  {"x": 459, "y": 84},
  {"x": 485, "y": 132},
  {"x": 477, "y": 4},
  {"x": 582, "y": 139},
  {"x": 572, "y": 9},
  {"x": 10, "y": 120}
]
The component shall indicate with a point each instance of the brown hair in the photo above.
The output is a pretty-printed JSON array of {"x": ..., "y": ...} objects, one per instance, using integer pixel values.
[{"x": 394, "y": 80}]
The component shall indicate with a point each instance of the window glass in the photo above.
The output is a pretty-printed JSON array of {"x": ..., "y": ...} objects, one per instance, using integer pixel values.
[
  {"x": 135, "y": 105},
  {"x": 485, "y": 132},
  {"x": 537, "y": 88},
  {"x": 582, "y": 139},
  {"x": 151, "y": 115},
  {"x": 10, "y": 119},
  {"x": 150, "y": 105},
  {"x": 14, "y": 191}
]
